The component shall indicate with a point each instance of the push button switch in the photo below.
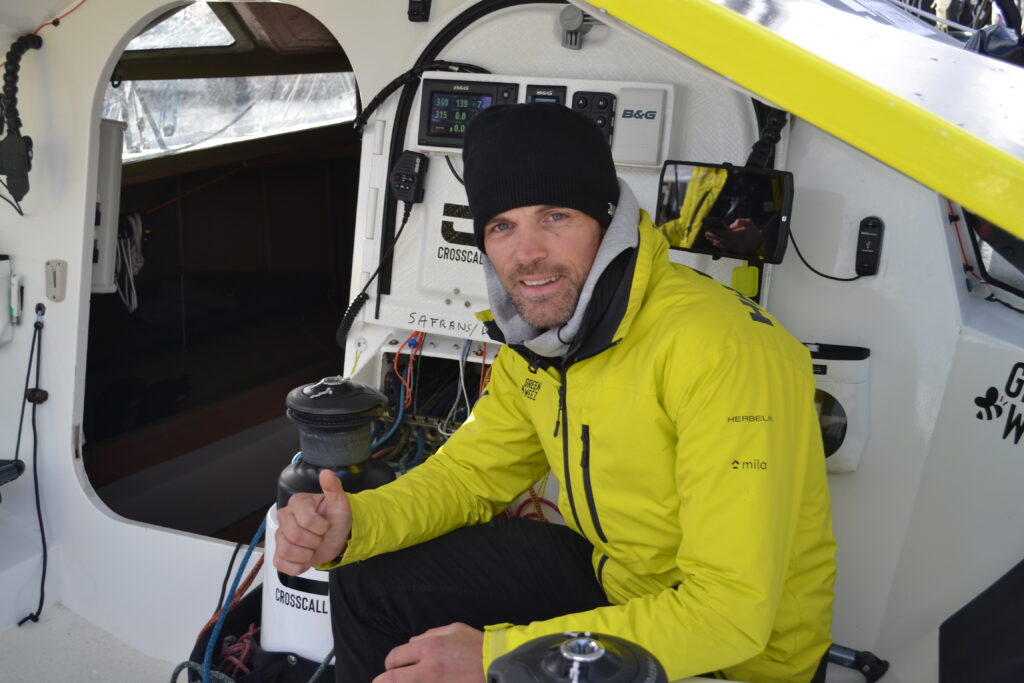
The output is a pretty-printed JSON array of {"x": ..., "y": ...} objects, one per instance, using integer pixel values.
[{"x": 600, "y": 107}]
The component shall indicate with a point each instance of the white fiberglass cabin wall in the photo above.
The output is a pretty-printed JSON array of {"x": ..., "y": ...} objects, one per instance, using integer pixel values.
[{"x": 927, "y": 514}]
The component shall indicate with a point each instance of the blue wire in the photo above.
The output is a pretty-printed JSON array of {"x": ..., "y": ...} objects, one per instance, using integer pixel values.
[
  {"x": 418, "y": 456},
  {"x": 208, "y": 657},
  {"x": 442, "y": 406},
  {"x": 376, "y": 443},
  {"x": 398, "y": 420},
  {"x": 419, "y": 447}
]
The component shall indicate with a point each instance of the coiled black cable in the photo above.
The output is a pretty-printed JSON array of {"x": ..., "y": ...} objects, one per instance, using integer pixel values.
[
  {"x": 15, "y": 149},
  {"x": 35, "y": 396},
  {"x": 410, "y": 76},
  {"x": 9, "y": 99}
]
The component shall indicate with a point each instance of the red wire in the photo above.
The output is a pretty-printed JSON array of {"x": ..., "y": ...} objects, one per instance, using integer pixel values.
[
  {"x": 408, "y": 370},
  {"x": 401, "y": 378},
  {"x": 952, "y": 213},
  {"x": 56, "y": 22},
  {"x": 394, "y": 365},
  {"x": 414, "y": 351},
  {"x": 195, "y": 189},
  {"x": 52, "y": 22},
  {"x": 963, "y": 252}
]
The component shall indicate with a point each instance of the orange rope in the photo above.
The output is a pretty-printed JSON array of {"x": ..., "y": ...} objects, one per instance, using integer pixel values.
[{"x": 238, "y": 596}]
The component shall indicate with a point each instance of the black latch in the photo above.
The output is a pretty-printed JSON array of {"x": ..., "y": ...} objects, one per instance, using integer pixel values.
[
  {"x": 36, "y": 395},
  {"x": 419, "y": 10},
  {"x": 869, "y": 245}
]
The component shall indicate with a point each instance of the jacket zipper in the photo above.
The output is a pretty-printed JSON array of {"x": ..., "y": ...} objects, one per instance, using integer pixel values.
[
  {"x": 564, "y": 419},
  {"x": 600, "y": 570},
  {"x": 587, "y": 487},
  {"x": 696, "y": 210}
]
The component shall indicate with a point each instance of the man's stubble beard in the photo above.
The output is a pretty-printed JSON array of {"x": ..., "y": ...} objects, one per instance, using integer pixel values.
[{"x": 551, "y": 312}]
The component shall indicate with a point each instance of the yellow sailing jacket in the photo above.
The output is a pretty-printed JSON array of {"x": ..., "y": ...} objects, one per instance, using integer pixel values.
[{"x": 689, "y": 454}]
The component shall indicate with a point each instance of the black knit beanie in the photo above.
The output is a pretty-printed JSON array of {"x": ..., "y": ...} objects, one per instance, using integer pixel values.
[{"x": 528, "y": 154}]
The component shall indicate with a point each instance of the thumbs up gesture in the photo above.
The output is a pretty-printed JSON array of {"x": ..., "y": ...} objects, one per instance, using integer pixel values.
[{"x": 313, "y": 527}]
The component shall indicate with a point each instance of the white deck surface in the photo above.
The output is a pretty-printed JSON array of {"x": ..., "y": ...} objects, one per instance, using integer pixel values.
[{"x": 63, "y": 646}]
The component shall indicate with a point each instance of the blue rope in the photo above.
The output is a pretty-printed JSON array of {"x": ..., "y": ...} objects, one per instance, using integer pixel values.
[{"x": 208, "y": 657}]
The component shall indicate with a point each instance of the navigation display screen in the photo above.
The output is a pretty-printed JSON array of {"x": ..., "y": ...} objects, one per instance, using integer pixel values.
[
  {"x": 724, "y": 210},
  {"x": 450, "y": 111}
]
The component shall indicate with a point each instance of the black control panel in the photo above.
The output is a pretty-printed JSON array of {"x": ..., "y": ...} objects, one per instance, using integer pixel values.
[
  {"x": 600, "y": 106},
  {"x": 447, "y": 106}
]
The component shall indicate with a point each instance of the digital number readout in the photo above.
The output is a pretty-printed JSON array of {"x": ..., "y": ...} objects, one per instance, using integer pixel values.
[{"x": 449, "y": 112}]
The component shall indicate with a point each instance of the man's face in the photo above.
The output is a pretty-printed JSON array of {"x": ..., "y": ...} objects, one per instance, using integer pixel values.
[{"x": 543, "y": 255}]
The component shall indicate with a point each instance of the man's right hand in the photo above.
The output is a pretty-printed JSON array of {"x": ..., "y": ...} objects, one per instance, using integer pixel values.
[{"x": 314, "y": 527}]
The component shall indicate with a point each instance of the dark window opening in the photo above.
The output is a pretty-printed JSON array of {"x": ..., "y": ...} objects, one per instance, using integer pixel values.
[
  {"x": 246, "y": 260},
  {"x": 999, "y": 254}
]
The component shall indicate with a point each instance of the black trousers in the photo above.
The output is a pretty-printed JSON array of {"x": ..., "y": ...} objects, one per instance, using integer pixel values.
[{"x": 517, "y": 572}]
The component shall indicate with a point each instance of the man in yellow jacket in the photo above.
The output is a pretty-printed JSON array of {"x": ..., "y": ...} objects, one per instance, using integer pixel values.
[{"x": 677, "y": 415}]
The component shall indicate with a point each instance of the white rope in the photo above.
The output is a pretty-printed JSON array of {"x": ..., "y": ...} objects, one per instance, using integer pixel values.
[{"x": 128, "y": 262}]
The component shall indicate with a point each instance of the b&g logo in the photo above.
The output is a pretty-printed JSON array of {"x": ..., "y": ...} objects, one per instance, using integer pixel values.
[{"x": 649, "y": 114}]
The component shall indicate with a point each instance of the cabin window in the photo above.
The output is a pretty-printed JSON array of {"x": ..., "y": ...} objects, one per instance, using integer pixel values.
[
  {"x": 193, "y": 26},
  {"x": 176, "y": 115},
  {"x": 237, "y": 221},
  {"x": 999, "y": 254}
]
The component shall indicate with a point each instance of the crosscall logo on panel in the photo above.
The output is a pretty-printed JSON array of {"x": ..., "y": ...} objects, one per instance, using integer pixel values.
[{"x": 1006, "y": 407}]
